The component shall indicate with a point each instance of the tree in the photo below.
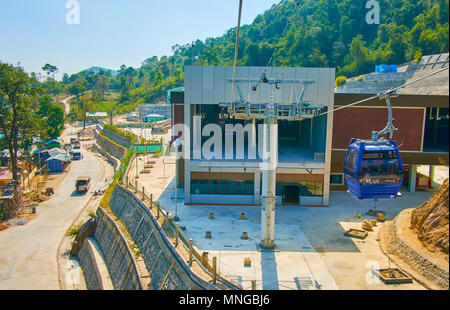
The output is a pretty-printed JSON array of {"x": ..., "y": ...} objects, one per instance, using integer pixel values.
[
  {"x": 45, "y": 102},
  {"x": 77, "y": 88},
  {"x": 85, "y": 105},
  {"x": 55, "y": 121},
  {"x": 53, "y": 117},
  {"x": 50, "y": 69},
  {"x": 16, "y": 117},
  {"x": 101, "y": 85},
  {"x": 65, "y": 79}
]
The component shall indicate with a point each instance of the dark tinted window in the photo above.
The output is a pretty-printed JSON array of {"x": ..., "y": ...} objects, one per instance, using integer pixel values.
[{"x": 350, "y": 162}]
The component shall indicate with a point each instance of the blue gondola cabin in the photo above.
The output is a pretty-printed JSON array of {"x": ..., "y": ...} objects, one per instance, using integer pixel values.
[{"x": 373, "y": 170}]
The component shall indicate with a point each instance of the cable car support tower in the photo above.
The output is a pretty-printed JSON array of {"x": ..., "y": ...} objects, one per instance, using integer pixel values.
[{"x": 271, "y": 112}]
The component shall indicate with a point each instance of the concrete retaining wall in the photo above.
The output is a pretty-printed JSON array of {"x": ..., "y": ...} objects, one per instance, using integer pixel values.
[
  {"x": 111, "y": 159},
  {"x": 117, "y": 138},
  {"x": 89, "y": 266},
  {"x": 427, "y": 267},
  {"x": 118, "y": 258},
  {"x": 161, "y": 259},
  {"x": 113, "y": 149}
]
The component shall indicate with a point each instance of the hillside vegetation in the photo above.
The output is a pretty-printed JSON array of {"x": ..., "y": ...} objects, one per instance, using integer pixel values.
[{"x": 323, "y": 33}]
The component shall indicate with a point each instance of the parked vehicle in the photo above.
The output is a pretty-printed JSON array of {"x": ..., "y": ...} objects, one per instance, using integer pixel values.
[
  {"x": 77, "y": 145},
  {"x": 83, "y": 184},
  {"x": 77, "y": 156},
  {"x": 72, "y": 140}
]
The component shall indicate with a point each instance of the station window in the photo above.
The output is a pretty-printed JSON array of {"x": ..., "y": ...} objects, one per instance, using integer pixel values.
[
  {"x": 337, "y": 179},
  {"x": 311, "y": 188},
  {"x": 222, "y": 187}
]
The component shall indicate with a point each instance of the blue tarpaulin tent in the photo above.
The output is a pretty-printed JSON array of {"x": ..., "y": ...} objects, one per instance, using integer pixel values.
[{"x": 56, "y": 163}]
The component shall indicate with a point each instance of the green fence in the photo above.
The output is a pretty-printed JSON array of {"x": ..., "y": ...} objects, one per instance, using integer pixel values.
[{"x": 147, "y": 148}]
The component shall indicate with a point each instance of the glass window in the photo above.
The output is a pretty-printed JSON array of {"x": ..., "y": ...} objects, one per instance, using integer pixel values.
[
  {"x": 249, "y": 187},
  {"x": 377, "y": 163},
  {"x": 195, "y": 187},
  {"x": 337, "y": 179},
  {"x": 222, "y": 188},
  {"x": 350, "y": 161},
  {"x": 278, "y": 189},
  {"x": 318, "y": 189},
  {"x": 213, "y": 187},
  {"x": 311, "y": 187},
  {"x": 204, "y": 187},
  {"x": 304, "y": 189},
  {"x": 240, "y": 188}
]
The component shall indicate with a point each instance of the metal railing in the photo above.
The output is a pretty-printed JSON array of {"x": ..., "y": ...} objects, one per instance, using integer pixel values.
[{"x": 200, "y": 258}]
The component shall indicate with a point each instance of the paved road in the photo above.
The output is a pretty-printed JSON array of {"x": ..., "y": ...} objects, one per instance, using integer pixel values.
[{"x": 28, "y": 253}]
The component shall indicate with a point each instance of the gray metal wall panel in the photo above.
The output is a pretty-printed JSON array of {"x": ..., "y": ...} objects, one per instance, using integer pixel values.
[
  {"x": 187, "y": 86},
  {"x": 219, "y": 79},
  {"x": 209, "y": 85}
]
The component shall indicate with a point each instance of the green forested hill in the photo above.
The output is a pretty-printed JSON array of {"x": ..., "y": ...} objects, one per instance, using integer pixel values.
[{"x": 323, "y": 33}]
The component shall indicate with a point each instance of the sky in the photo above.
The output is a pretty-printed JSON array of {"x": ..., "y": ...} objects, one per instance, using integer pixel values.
[{"x": 110, "y": 32}]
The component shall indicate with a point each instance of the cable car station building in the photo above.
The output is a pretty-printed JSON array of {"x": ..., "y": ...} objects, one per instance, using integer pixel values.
[
  {"x": 310, "y": 150},
  {"x": 234, "y": 177}
]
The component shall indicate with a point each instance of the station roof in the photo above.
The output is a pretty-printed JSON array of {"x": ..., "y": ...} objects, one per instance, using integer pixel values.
[
  {"x": 96, "y": 114},
  {"x": 375, "y": 83}
]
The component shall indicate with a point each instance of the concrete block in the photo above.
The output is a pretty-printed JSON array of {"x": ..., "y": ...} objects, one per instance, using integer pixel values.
[
  {"x": 366, "y": 225},
  {"x": 381, "y": 217}
]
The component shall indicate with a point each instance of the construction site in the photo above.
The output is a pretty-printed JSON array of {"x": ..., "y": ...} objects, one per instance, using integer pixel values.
[
  {"x": 247, "y": 178},
  {"x": 284, "y": 219}
]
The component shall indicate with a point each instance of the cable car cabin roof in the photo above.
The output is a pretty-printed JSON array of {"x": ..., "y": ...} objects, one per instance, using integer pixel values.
[{"x": 369, "y": 145}]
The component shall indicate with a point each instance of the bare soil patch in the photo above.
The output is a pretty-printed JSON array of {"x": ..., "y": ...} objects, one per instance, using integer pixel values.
[{"x": 430, "y": 221}]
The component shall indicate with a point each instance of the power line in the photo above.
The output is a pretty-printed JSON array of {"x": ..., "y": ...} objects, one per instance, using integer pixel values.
[
  {"x": 297, "y": 4},
  {"x": 387, "y": 92},
  {"x": 236, "y": 51}
]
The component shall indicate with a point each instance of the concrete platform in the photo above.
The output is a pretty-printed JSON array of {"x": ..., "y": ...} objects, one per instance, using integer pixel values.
[{"x": 313, "y": 252}]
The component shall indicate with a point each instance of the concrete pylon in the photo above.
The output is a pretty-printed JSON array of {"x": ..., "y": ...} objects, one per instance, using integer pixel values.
[{"x": 269, "y": 172}]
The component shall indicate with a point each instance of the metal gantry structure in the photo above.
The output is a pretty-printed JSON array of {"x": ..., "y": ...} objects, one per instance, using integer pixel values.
[{"x": 271, "y": 112}]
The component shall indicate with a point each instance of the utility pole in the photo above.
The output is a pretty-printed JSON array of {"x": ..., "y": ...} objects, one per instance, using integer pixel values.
[{"x": 269, "y": 172}]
